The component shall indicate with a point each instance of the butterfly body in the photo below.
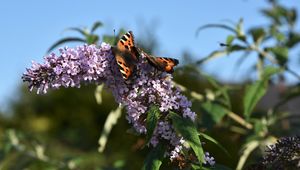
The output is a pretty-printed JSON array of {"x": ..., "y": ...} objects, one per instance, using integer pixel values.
[{"x": 127, "y": 56}]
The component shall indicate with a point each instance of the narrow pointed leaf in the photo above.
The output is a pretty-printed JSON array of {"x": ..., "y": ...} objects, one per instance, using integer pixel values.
[
  {"x": 216, "y": 111},
  {"x": 81, "y": 31},
  {"x": 235, "y": 47},
  {"x": 152, "y": 118},
  {"x": 240, "y": 28},
  {"x": 257, "y": 90},
  {"x": 188, "y": 130},
  {"x": 223, "y": 26},
  {"x": 65, "y": 40},
  {"x": 281, "y": 54},
  {"x": 213, "y": 55},
  {"x": 253, "y": 94},
  {"x": 293, "y": 39},
  {"x": 229, "y": 39},
  {"x": 269, "y": 71},
  {"x": 214, "y": 141},
  {"x": 96, "y": 25}
]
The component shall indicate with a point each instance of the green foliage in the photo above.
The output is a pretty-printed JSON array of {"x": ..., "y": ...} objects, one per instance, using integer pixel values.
[
  {"x": 88, "y": 36},
  {"x": 187, "y": 129},
  {"x": 256, "y": 91},
  {"x": 205, "y": 136},
  {"x": 217, "y": 111},
  {"x": 152, "y": 118},
  {"x": 258, "y": 34},
  {"x": 259, "y": 124}
]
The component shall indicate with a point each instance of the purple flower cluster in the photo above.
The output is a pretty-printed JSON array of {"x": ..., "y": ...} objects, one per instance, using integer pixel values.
[
  {"x": 146, "y": 87},
  {"x": 70, "y": 68}
]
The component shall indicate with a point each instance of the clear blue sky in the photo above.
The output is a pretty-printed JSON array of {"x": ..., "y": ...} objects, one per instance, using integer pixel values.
[{"x": 29, "y": 27}]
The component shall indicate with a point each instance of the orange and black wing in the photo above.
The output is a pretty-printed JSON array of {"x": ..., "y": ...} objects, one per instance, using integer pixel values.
[
  {"x": 126, "y": 54},
  {"x": 161, "y": 63}
]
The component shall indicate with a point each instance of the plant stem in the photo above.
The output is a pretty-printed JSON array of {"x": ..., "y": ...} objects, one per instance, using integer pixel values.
[{"x": 239, "y": 120}]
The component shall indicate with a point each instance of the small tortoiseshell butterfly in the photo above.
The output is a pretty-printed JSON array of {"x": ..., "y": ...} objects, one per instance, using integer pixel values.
[{"x": 127, "y": 55}]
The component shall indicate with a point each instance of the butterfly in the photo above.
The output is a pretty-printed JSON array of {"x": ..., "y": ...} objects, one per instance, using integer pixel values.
[{"x": 127, "y": 55}]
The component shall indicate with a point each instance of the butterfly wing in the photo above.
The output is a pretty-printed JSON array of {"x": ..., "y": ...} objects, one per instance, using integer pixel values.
[
  {"x": 126, "y": 54},
  {"x": 161, "y": 63}
]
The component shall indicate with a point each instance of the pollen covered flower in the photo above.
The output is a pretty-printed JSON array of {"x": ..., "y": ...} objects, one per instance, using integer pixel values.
[{"x": 146, "y": 87}]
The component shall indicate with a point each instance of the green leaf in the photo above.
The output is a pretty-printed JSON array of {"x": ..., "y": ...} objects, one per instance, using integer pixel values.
[
  {"x": 269, "y": 71},
  {"x": 258, "y": 34},
  {"x": 92, "y": 39},
  {"x": 214, "y": 141},
  {"x": 273, "y": 14},
  {"x": 216, "y": 111},
  {"x": 253, "y": 94},
  {"x": 235, "y": 47},
  {"x": 257, "y": 90},
  {"x": 240, "y": 30},
  {"x": 229, "y": 39},
  {"x": 281, "y": 53},
  {"x": 109, "y": 39},
  {"x": 200, "y": 167},
  {"x": 152, "y": 118},
  {"x": 188, "y": 130},
  {"x": 279, "y": 36},
  {"x": 65, "y": 40},
  {"x": 223, "y": 26},
  {"x": 154, "y": 159},
  {"x": 260, "y": 126},
  {"x": 293, "y": 39},
  {"x": 79, "y": 30},
  {"x": 212, "y": 55},
  {"x": 96, "y": 25},
  {"x": 292, "y": 17},
  {"x": 119, "y": 164}
]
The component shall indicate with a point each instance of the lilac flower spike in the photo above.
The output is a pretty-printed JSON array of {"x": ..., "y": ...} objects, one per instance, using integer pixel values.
[{"x": 147, "y": 86}]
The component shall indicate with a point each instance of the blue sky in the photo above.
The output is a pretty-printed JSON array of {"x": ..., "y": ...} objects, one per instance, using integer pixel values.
[{"x": 28, "y": 28}]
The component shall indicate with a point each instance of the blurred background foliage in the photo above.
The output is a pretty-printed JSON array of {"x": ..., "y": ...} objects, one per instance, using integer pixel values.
[{"x": 60, "y": 130}]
